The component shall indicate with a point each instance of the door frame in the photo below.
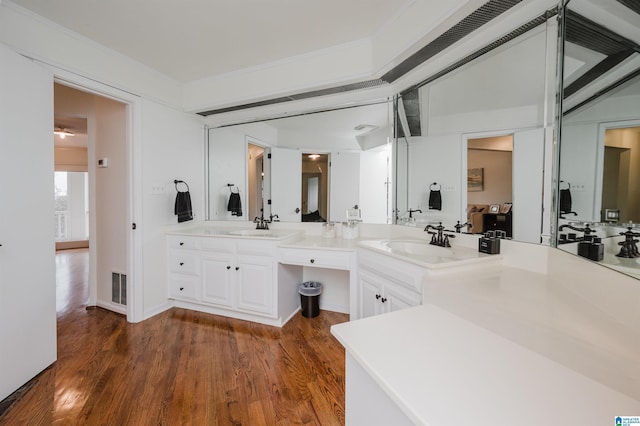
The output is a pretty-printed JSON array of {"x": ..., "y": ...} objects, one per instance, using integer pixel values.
[{"x": 134, "y": 270}]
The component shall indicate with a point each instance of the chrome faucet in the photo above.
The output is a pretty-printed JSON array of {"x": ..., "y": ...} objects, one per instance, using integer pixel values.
[{"x": 439, "y": 238}]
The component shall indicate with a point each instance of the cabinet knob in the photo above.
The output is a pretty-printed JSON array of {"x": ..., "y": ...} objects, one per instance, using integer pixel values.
[
  {"x": 181, "y": 263},
  {"x": 384, "y": 299},
  {"x": 237, "y": 268},
  {"x": 228, "y": 267},
  {"x": 378, "y": 296},
  {"x": 181, "y": 243},
  {"x": 181, "y": 288},
  {"x": 313, "y": 260}
]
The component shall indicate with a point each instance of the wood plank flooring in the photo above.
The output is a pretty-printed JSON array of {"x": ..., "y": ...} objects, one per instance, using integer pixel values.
[{"x": 181, "y": 367}]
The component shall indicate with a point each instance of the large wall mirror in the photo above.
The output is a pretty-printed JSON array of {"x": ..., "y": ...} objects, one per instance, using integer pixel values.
[
  {"x": 470, "y": 145},
  {"x": 306, "y": 168},
  {"x": 599, "y": 160}
]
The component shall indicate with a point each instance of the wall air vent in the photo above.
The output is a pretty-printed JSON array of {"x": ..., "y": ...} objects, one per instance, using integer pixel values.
[{"x": 119, "y": 288}]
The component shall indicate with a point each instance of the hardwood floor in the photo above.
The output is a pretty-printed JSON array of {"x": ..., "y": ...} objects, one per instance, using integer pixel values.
[{"x": 181, "y": 367}]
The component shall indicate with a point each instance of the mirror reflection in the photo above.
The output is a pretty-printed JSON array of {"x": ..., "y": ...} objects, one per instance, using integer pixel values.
[
  {"x": 310, "y": 168},
  {"x": 599, "y": 173},
  {"x": 475, "y": 138}
]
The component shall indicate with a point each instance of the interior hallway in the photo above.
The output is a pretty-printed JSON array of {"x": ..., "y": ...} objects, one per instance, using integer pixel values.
[{"x": 181, "y": 367}]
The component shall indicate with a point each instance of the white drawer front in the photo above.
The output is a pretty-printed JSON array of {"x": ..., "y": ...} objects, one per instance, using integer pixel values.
[
  {"x": 184, "y": 263},
  {"x": 403, "y": 273},
  {"x": 184, "y": 243},
  {"x": 225, "y": 245},
  {"x": 183, "y": 287},
  {"x": 255, "y": 247},
  {"x": 316, "y": 258}
]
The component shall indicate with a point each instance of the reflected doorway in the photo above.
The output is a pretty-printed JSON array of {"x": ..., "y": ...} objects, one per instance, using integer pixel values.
[
  {"x": 315, "y": 187},
  {"x": 490, "y": 184},
  {"x": 620, "y": 189},
  {"x": 255, "y": 180}
]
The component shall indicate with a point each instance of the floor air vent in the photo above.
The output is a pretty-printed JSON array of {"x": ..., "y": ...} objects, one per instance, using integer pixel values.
[{"x": 119, "y": 288}]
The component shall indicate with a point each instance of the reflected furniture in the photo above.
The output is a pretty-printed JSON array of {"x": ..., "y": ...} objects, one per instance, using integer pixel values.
[{"x": 475, "y": 216}]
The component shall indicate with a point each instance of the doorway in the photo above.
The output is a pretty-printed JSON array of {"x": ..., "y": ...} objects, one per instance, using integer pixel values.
[
  {"x": 620, "y": 188},
  {"x": 255, "y": 180},
  {"x": 315, "y": 184},
  {"x": 102, "y": 192},
  {"x": 489, "y": 183}
]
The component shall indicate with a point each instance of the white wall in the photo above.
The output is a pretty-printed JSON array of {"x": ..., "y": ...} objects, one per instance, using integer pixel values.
[
  {"x": 172, "y": 148},
  {"x": 581, "y": 150},
  {"x": 111, "y": 193}
]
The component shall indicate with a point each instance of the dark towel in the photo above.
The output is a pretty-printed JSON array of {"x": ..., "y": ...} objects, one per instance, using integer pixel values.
[
  {"x": 183, "y": 207},
  {"x": 235, "y": 206},
  {"x": 435, "y": 200},
  {"x": 565, "y": 201}
]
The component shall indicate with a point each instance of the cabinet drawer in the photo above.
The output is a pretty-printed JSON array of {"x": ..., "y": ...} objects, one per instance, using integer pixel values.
[
  {"x": 403, "y": 273},
  {"x": 183, "y": 262},
  {"x": 183, "y": 287},
  {"x": 317, "y": 258},
  {"x": 225, "y": 245},
  {"x": 184, "y": 243},
  {"x": 255, "y": 247}
]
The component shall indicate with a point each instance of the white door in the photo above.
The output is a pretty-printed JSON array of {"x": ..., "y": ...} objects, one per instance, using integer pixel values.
[
  {"x": 528, "y": 163},
  {"x": 27, "y": 254},
  {"x": 286, "y": 184}
]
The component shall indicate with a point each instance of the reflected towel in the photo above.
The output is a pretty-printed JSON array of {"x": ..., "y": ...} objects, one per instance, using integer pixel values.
[
  {"x": 235, "y": 205},
  {"x": 435, "y": 200},
  {"x": 565, "y": 201},
  {"x": 183, "y": 207}
]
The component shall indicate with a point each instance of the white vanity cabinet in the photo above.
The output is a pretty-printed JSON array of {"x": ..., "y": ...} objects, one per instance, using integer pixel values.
[
  {"x": 386, "y": 284},
  {"x": 235, "y": 277},
  {"x": 184, "y": 268}
]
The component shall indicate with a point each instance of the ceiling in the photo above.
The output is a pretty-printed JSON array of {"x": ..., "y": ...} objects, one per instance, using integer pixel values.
[{"x": 193, "y": 39}]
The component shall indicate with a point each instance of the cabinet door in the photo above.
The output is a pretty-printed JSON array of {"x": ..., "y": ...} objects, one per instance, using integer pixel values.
[
  {"x": 217, "y": 275},
  {"x": 254, "y": 284},
  {"x": 370, "y": 289},
  {"x": 397, "y": 298}
]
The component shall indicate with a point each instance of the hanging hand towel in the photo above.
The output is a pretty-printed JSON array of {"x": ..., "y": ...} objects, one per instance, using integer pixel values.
[
  {"x": 435, "y": 200},
  {"x": 565, "y": 201},
  {"x": 235, "y": 205},
  {"x": 183, "y": 207}
]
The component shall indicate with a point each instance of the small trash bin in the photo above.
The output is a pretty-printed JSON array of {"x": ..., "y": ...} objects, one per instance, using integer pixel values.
[{"x": 310, "y": 298}]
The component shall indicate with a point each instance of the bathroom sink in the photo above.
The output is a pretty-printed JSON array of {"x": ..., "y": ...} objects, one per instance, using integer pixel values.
[
  {"x": 251, "y": 232},
  {"x": 428, "y": 255}
]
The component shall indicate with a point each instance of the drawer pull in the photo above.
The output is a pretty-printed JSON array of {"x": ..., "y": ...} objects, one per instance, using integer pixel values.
[
  {"x": 228, "y": 267},
  {"x": 181, "y": 263},
  {"x": 181, "y": 288},
  {"x": 181, "y": 243},
  {"x": 313, "y": 260},
  {"x": 237, "y": 268}
]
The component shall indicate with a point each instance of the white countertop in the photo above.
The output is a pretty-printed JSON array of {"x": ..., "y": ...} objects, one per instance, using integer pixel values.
[
  {"x": 441, "y": 369},
  {"x": 238, "y": 232},
  {"x": 319, "y": 242},
  {"x": 498, "y": 343},
  {"x": 429, "y": 256}
]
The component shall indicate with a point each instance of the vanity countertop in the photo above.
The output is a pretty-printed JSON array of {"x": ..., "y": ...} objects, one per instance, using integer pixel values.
[
  {"x": 498, "y": 344},
  {"x": 321, "y": 243},
  {"x": 421, "y": 253},
  {"x": 237, "y": 232}
]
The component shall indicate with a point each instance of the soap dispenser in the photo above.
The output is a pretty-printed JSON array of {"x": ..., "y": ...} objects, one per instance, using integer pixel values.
[
  {"x": 596, "y": 249},
  {"x": 584, "y": 246}
]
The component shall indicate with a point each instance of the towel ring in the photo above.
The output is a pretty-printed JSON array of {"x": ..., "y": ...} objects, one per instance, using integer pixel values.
[
  {"x": 568, "y": 184},
  {"x": 176, "y": 182},
  {"x": 432, "y": 185}
]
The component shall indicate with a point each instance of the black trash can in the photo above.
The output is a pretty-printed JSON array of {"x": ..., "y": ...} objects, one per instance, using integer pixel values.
[{"x": 310, "y": 298}]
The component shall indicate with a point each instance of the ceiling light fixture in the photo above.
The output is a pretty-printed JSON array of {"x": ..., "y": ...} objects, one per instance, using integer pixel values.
[
  {"x": 314, "y": 156},
  {"x": 62, "y": 132}
]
